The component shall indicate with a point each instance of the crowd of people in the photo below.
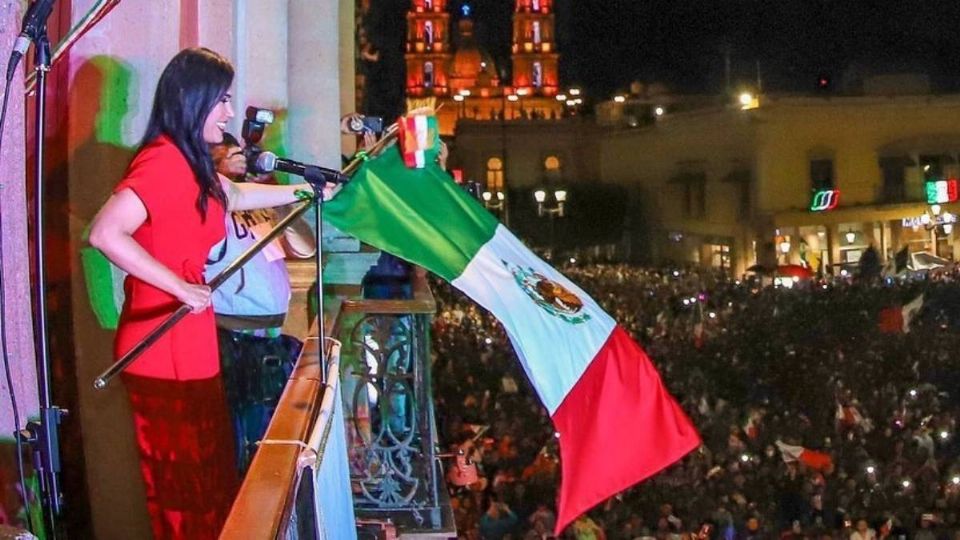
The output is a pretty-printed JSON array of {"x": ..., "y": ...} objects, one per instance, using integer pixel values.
[{"x": 753, "y": 365}]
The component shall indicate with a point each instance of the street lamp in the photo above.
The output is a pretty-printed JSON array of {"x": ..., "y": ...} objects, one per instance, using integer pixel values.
[
  {"x": 553, "y": 209},
  {"x": 494, "y": 201},
  {"x": 938, "y": 223},
  {"x": 556, "y": 209}
]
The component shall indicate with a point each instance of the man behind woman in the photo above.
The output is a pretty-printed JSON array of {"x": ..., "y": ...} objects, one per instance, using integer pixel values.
[{"x": 251, "y": 306}]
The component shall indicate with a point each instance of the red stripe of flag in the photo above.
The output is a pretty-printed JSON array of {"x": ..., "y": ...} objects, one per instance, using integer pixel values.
[{"x": 618, "y": 426}]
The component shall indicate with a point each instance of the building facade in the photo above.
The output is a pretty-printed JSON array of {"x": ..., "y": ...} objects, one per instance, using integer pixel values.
[
  {"x": 795, "y": 180},
  {"x": 464, "y": 80}
]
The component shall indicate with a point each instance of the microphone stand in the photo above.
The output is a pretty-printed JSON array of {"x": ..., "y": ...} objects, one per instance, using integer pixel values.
[
  {"x": 42, "y": 435},
  {"x": 314, "y": 177}
]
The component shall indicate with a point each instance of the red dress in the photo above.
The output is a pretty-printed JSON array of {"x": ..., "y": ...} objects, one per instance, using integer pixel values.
[{"x": 180, "y": 415}]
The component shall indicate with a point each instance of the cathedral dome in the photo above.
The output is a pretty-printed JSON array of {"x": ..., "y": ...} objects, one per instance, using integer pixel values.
[{"x": 472, "y": 66}]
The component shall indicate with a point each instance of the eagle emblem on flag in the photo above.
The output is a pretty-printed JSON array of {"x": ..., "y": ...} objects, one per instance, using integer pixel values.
[{"x": 553, "y": 297}]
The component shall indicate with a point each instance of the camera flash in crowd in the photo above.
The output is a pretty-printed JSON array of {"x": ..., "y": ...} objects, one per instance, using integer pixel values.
[
  {"x": 488, "y": 341},
  {"x": 944, "y": 435},
  {"x": 871, "y": 469},
  {"x": 913, "y": 392},
  {"x": 905, "y": 484},
  {"x": 955, "y": 480},
  {"x": 745, "y": 457}
]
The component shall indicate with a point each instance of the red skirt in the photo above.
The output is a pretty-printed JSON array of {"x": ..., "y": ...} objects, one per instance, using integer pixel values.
[{"x": 186, "y": 454}]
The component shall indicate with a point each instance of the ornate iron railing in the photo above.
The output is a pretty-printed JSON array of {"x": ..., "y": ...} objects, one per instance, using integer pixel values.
[
  {"x": 387, "y": 418},
  {"x": 388, "y": 407}
]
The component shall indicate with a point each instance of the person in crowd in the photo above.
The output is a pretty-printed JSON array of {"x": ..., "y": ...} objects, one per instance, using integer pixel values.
[
  {"x": 585, "y": 528},
  {"x": 158, "y": 226},
  {"x": 497, "y": 522},
  {"x": 251, "y": 306},
  {"x": 863, "y": 531},
  {"x": 807, "y": 367}
]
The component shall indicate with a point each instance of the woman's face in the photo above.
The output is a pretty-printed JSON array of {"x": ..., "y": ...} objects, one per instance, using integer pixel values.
[{"x": 216, "y": 122}]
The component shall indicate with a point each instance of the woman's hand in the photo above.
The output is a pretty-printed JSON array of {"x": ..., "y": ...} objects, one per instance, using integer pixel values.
[{"x": 195, "y": 296}]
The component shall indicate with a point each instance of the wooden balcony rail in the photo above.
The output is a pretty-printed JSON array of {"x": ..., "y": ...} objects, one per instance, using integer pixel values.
[{"x": 265, "y": 500}]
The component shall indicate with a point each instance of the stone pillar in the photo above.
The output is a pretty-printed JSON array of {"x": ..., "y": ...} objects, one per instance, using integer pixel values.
[
  {"x": 833, "y": 246},
  {"x": 260, "y": 59},
  {"x": 16, "y": 321},
  {"x": 348, "y": 69},
  {"x": 313, "y": 85}
]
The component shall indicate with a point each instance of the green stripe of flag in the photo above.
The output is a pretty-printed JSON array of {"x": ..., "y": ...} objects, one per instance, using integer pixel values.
[{"x": 420, "y": 215}]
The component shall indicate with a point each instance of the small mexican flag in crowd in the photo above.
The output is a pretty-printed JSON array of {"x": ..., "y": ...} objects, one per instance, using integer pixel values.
[{"x": 616, "y": 423}]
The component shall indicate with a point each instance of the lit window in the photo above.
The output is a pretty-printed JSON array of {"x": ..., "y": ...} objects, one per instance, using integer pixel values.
[
  {"x": 494, "y": 174},
  {"x": 536, "y": 32},
  {"x": 428, "y": 32},
  {"x": 537, "y": 74},
  {"x": 428, "y": 74}
]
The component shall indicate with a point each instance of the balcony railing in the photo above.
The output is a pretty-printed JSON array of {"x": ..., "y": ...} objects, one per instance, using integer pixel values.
[
  {"x": 277, "y": 498},
  {"x": 388, "y": 470},
  {"x": 391, "y": 433}
]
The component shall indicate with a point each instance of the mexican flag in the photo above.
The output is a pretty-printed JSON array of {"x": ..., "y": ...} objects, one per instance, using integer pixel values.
[
  {"x": 616, "y": 423},
  {"x": 811, "y": 458}
]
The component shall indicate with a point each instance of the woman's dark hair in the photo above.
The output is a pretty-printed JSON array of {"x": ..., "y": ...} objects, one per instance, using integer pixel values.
[{"x": 190, "y": 86}]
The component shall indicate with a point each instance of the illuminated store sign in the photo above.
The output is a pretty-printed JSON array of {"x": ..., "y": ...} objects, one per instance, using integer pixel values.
[
  {"x": 942, "y": 191},
  {"x": 827, "y": 199},
  {"x": 924, "y": 220}
]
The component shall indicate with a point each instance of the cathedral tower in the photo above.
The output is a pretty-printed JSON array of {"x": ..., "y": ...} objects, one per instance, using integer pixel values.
[
  {"x": 428, "y": 48},
  {"x": 534, "y": 48}
]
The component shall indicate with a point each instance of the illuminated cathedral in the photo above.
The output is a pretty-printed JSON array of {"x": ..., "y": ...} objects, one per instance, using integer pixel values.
[{"x": 466, "y": 82}]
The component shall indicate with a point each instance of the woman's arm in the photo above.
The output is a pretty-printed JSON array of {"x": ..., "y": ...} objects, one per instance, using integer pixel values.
[
  {"x": 250, "y": 196},
  {"x": 111, "y": 233}
]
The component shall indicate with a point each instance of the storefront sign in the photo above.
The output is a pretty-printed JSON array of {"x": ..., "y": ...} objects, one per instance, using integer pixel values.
[
  {"x": 942, "y": 191},
  {"x": 827, "y": 199},
  {"x": 924, "y": 220}
]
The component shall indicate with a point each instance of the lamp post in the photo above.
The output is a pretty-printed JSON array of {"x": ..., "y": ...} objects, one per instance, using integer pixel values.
[
  {"x": 938, "y": 223},
  {"x": 497, "y": 203},
  {"x": 462, "y": 109},
  {"x": 553, "y": 209}
]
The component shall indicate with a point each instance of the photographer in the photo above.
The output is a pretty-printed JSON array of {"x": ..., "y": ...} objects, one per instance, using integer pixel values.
[{"x": 250, "y": 307}]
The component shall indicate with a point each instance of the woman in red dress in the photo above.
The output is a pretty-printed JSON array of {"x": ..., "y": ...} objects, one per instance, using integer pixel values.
[{"x": 159, "y": 226}]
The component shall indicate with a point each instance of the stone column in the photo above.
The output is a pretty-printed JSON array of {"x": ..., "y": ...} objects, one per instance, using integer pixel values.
[
  {"x": 16, "y": 321},
  {"x": 313, "y": 85}
]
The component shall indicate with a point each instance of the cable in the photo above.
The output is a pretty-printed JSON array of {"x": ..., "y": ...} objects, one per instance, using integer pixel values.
[{"x": 3, "y": 333}]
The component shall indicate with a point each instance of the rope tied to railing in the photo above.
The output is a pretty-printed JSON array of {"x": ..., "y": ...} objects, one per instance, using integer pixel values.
[{"x": 285, "y": 442}]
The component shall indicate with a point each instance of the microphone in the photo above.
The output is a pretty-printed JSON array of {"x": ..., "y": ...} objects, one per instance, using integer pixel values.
[
  {"x": 269, "y": 162},
  {"x": 34, "y": 22}
]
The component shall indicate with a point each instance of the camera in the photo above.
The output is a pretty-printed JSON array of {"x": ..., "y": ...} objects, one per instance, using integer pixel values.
[
  {"x": 255, "y": 121},
  {"x": 366, "y": 124}
]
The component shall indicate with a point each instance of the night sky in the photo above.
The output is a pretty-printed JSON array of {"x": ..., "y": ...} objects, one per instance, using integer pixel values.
[{"x": 606, "y": 44}]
